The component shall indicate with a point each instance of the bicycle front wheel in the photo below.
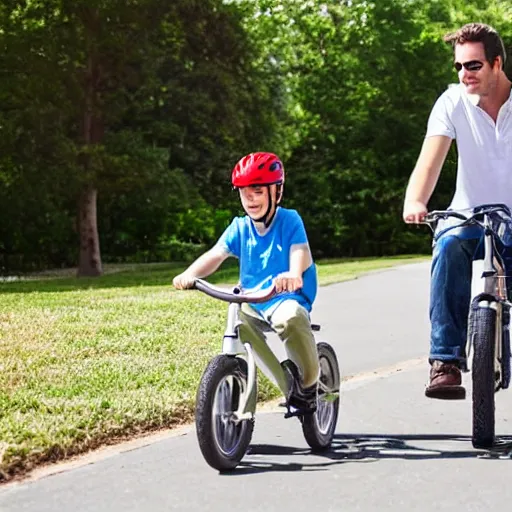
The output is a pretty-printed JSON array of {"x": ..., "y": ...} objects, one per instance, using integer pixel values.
[
  {"x": 483, "y": 331},
  {"x": 222, "y": 438}
]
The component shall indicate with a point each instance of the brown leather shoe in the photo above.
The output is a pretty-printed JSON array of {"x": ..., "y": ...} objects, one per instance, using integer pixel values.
[{"x": 445, "y": 382}]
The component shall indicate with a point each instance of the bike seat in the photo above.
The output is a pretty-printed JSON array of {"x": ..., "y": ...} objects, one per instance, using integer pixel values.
[{"x": 315, "y": 327}]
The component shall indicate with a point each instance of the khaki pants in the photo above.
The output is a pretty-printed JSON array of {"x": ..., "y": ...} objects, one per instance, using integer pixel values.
[{"x": 291, "y": 322}]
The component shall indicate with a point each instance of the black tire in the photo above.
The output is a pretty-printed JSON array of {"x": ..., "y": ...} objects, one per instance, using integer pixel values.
[
  {"x": 505, "y": 351},
  {"x": 483, "y": 331},
  {"x": 318, "y": 428},
  {"x": 223, "y": 442}
]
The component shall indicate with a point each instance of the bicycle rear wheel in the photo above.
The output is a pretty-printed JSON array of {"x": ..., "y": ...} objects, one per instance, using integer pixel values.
[
  {"x": 222, "y": 438},
  {"x": 318, "y": 428},
  {"x": 483, "y": 331}
]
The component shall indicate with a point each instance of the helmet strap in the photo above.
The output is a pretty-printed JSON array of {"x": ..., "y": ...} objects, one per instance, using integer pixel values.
[
  {"x": 279, "y": 192},
  {"x": 267, "y": 219}
]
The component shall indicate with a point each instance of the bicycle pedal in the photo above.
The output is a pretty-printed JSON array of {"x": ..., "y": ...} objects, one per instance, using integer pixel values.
[{"x": 292, "y": 412}]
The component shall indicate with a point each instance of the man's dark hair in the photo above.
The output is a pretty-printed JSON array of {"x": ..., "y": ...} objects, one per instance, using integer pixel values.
[{"x": 480, "y": 33}]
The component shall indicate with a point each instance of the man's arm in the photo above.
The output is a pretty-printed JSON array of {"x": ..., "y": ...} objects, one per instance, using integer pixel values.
[
  {"x": 424, "y": 177},
  {"x": 205, "y": 265}
]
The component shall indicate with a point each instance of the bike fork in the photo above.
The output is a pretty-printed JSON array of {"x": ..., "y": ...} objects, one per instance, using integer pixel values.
[
  {"x": 247, "y": 405},
  {"x": 232, "y": 346}
]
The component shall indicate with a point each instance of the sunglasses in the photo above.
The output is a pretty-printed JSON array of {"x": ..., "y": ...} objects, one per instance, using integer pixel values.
[{"x": 470, "y": 65}]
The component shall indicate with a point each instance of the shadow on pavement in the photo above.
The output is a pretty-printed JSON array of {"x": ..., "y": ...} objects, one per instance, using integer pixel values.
[
  {"x": 345, "y": 448},
  {"x": 387, "y": 446}
]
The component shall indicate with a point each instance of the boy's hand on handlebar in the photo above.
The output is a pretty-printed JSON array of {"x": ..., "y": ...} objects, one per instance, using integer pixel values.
[
  {"x": 184, "y": 281},
  {"x": 286, "y": 282},
  {"x": 414, "y": 212}
]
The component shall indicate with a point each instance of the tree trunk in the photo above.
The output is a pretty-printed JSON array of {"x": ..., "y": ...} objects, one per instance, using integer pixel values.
[
  {"x": 90, "y": 256},
  {"x": 92, "y": 133}
]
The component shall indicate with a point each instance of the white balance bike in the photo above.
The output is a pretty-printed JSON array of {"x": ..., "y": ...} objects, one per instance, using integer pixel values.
[{"x": 227, "y": 393}]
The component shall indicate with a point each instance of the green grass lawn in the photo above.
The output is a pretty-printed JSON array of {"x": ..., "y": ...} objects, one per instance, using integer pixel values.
[{"x": 85, "y": 362}]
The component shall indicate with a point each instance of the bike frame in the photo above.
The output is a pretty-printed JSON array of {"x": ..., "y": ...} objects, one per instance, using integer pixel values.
[
  {"x": 493, "y": 290},
  {"x": 493, "y": 279},
  {"x": 233, "y": 346}
]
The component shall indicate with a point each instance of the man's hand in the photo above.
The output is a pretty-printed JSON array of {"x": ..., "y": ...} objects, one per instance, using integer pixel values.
[
  {"x": 184, "y": 281},
  {"x": 414, "y": 212},
  {"x": 286, "y": 282}
]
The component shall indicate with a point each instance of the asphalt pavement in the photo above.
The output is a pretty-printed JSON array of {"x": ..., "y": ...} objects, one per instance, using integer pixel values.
[{"x": 394, "y": 449}]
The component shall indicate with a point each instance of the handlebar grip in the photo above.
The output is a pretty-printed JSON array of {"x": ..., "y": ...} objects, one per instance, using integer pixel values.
[{"x": 443, "y": 214}]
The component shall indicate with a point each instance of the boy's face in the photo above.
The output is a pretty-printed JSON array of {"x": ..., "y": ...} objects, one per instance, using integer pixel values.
[{"x": 255, "y": 200}]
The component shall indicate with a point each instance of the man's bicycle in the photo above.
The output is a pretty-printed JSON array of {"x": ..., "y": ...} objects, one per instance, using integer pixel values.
[
  {"x": 488, "y": 340},
  {"x": 227, "y": 394}
]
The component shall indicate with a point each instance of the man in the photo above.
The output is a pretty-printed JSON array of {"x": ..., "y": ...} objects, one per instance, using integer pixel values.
[{"x": 477, "y": 113}]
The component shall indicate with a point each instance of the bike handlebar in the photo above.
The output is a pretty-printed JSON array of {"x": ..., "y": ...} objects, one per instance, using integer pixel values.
[
  {"x": 487, "y": 209},
  {"x": 236, "y": 295}
]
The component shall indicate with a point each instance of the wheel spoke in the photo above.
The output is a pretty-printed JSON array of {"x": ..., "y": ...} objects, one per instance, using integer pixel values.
[
  {"x": 325, "y": 407},
  {"x": 319, "y": 428},
  {"x": 228, "y": 433}
]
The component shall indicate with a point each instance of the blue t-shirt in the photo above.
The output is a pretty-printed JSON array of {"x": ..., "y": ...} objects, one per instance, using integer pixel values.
[{"x": 264, "y": 257}]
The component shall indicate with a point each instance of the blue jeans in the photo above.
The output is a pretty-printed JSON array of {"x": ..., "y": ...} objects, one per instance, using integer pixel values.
[{"x": 450, "y": 289}]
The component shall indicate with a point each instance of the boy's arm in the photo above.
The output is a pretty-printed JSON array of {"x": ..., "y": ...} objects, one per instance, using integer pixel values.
[
  {"x": 300, "y": 261},
  {"x": 205, "y": 265},
  {"x": 424, "y": 177}
]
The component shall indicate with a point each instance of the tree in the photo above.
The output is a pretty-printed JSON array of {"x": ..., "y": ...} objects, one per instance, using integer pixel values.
[
  {"x": 80, "y": 60},
  {"x": 175, "y": 79},
  {"x": 364, "y": 76}
]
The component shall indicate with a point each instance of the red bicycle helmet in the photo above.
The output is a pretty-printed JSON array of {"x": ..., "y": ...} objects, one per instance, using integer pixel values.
[{"x": 258, "y": 169}]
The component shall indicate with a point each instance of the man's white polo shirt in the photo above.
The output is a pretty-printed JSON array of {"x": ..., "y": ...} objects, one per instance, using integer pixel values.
[{"x": 484, "y": 173}]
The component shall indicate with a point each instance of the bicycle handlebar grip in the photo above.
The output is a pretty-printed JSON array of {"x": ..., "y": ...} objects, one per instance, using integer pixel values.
[{"x": 443, "y": 214}]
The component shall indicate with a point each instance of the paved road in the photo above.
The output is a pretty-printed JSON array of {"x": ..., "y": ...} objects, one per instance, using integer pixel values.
[{"x": 394, "y": 449}]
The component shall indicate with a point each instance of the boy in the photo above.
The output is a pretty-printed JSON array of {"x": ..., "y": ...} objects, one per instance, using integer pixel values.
[{"x": 271, "y": 244}]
